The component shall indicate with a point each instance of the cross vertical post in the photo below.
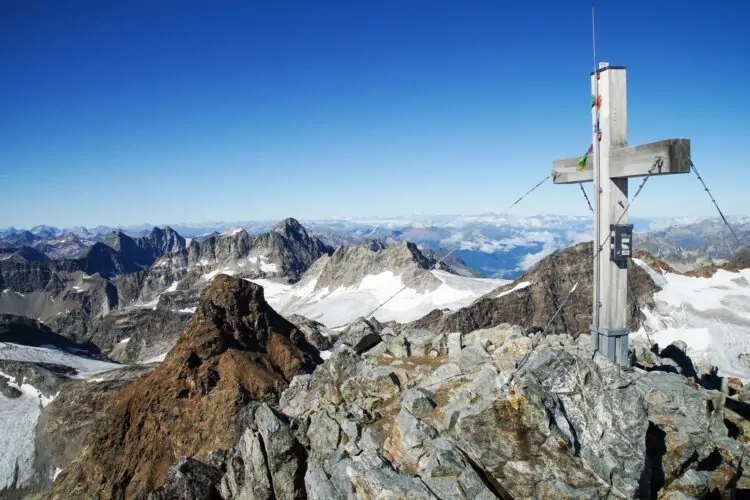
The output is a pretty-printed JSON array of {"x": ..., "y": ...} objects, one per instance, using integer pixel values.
[
  {"x": 613, "y": 163},
  {"x": 609, "y": 327}
]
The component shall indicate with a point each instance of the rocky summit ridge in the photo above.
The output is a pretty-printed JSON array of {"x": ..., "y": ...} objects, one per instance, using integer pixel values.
[
  {"x": 234, "y": 350},
  {"x": 423, "y": 415}
]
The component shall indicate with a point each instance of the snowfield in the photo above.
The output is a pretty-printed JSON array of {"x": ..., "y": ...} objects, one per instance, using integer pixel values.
[
  {"x": 711, "y": 315},
  {"x": 343, "y": 305},
  {"x": 18, "y": 416},
  {"x": 86, "y": 367}
]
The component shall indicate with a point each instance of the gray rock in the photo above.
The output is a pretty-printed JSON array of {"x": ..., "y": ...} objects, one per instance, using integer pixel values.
[
  {"x": 373, "y": 384},
  {"x": 247, "y": 475},
  {"x": 379, "y": 350},
  {"x": 387, "y": 331},
  {"x": 472, "y": 358},
  {"x": 319, "y": 486},
  {"x": 418, "y": 341},
  {"x": 397, "y": 347},
  {"x": 687, "y": 424},
  {"x": 418, "y": 401},
  {"x": 744, "y": 360},
  {"x": 445, "y": 470},
  {"x": 7, "y": 390},
  {"x": 268, "y": 462},
  {"x": 369, "y": 475},
  {"x": 455, "y": 344},
  {"x": 360, "y": 336},
  {"x": 316, "y": 333},
  {"x": 369, "y": 440},
  {"x": 285, "y": 456},
  {"x": 442, "y": 374},
  {"x": 189, "y": 479},
  {"x": 562, "y": 407},
  {"x": 407, "y": 440},
  {"x": 323, "y": 433}
]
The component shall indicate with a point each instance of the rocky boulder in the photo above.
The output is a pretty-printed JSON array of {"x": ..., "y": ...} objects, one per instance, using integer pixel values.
[
  {"x": 316, "y": 333},
  {"x": 235, "y": 349}
]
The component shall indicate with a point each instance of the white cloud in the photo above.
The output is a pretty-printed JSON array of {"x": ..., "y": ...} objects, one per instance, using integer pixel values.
[
  {"x": 533, "y": 258},
  {"x": 486, "y": 245}
]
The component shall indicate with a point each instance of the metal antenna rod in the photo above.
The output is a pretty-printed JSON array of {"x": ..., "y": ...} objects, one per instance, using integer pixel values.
[{"x": 597, "y": 177}]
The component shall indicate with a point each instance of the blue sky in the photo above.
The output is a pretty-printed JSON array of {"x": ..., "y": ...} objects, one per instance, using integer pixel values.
[{"x": 131, "y": 112}]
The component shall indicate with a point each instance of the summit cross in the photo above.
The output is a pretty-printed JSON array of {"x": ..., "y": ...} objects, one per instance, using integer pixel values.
[{"x": 614, "y": 162}]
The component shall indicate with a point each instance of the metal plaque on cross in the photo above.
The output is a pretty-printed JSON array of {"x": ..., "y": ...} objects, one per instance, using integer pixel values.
[{"x": 609, "y": 163}]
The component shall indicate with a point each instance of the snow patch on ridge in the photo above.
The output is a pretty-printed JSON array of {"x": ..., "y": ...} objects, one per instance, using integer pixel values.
[{"x": 711, "y": 315}]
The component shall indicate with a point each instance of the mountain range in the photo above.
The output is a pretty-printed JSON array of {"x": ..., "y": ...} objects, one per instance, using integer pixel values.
[{"x": 486, "y": 245}]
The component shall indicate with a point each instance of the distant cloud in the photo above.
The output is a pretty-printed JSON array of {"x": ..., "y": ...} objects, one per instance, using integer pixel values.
[
  {"x": 533, "y": 258},
  {"x": 481, "y": 243}
]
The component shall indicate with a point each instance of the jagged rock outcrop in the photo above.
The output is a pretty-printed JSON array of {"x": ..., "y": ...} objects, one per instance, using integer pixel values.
[
  {"x": 348, "y": 265},
  {"x": 235, "y": 349},
  {"x": 298, "y": 250},
  {"x": 285, "y": 252},
  {"x": 533, "y": 298},
  {"x": 137, "y": 253},
  {"x": 316, "y": 333}
]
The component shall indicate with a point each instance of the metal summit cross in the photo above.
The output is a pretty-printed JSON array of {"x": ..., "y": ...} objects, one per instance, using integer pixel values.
[{"x": 613, "y": 164}]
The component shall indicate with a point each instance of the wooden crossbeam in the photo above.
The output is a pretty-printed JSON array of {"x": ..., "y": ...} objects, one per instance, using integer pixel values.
[{"x": 634, "y": 161}]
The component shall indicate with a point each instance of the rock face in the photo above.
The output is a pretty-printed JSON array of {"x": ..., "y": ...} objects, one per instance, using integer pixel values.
[
  {"x": 350, "y": 264},
  {"x": 235, "y": 349},
  {"x": 65, "y": 423},
  {"x": 532, "y": 299},
  {"x": 22, "y": 254},
  {"x": 316, "y": 333},
  {"x": 26, "y": 331},
  {"x": 137, "y": 253},
  {"x": 136, "y": 335},
  {"x": 285, "y": 252},
  {"x": 36, "y": 276}
]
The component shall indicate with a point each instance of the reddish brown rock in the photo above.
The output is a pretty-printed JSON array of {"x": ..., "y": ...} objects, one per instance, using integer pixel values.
[
  {"x": 235, "y": 349},
  {"x": 653, "y": 262}
]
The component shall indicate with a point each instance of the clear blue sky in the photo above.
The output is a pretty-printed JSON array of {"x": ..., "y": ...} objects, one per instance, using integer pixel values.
[{"x": 131, "y": 112}]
